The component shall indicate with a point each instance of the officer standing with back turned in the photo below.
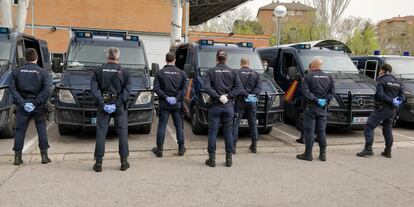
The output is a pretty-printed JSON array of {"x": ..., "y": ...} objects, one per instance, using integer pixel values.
[
  {"x": 388, "y": 96},
  {"x": 111, "y": 85},
  {"x": 223, "y": 86},
  {"x": 318, "y": 90},
  {"x": 169, "y": 84},
  {"x": 29, "y": 87},
  {"x": 246, "y": 103}
]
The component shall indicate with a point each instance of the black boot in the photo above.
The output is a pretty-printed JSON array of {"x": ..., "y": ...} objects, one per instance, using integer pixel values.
[
  {"x": 45, "y": 158},
  {"x": 181, "y": 150},
  {"x": 366, "y": 152},
  {"x": 387, "y": 152},
  {"x": 158, "y": 150},
  {"x": 211, "y": 161},
  {"x": 124, "y": 163},
  {"x": 300, "y": 140},
  {"x": 305, "y": 156},
  {"x": 18, "y": 158},
  {"x": 253, "y": 147},
  {"x": 229, "y": 161},
  {"x": 234, "y": 148},
  {"x": 97, "y": 167},
  {"x": 322, "y": 154}
]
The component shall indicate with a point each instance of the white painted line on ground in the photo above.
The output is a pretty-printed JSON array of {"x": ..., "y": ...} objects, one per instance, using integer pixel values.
[
  {"x": 172, "y": 133},
  {"x": 396, "y": 134},
  {"x": 286, "y": 133},
  {"x": 35, "y": 139}
]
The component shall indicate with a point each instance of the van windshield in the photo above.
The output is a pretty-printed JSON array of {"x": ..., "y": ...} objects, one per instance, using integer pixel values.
[
  {"x": 82, "y": 55},
  {"x": 4, "y": 51},
  {"x": 332, "y": 61},
  {"x": 402, "y": 66},
  {"x": 207, "y": 59}
]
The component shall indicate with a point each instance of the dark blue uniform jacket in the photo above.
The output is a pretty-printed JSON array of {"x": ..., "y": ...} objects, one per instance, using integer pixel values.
[
  {"x": 170, "y": 82},
  {"x": 388, "y": 87},
  {"x": 250, "y": 81},
  {"x": 222, "y": 80},
  {"x": 317, "y": 85}
]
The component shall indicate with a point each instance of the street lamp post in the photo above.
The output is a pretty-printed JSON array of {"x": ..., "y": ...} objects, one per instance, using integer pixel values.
[{"x": 279, "y": 12}]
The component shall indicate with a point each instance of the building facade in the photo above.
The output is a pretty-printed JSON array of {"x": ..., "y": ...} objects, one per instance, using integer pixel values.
[{"x": 396, "y": 35}]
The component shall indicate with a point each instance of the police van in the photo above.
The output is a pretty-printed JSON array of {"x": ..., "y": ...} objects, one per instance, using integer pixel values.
[
  {"x": 354, "y": 97},
  {"x": 75, "y": 106},
  {"x": 12, "y": 48},
  {"x": 402, "y": 68},
  {"x": 197, "y": 58}
]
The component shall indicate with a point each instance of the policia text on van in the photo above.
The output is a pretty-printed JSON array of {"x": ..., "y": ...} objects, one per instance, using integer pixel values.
[
  {"x": 76, "y": 106},
  {"x": 12, "y": 47},
  {"x": 197, "y": 58},
  {"x": 354, "y": 97}
]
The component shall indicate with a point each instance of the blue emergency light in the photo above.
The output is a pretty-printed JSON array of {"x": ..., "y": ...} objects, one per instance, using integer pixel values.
[
  {"x": 205, "y": 42},
  {"x": 377, "y": 52},
  {"x": 245, "y": 44},
  {"x": 4, "y": 30},
  {"x": 302, "y": 46},
  {"x": 132, "y": 38},
  {"x": 84, "y": 34},
  {"x": 406, "y": 53}
]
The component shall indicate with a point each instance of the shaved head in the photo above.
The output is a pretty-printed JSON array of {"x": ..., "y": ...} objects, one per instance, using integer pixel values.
[{"x": 316, "y": 64}]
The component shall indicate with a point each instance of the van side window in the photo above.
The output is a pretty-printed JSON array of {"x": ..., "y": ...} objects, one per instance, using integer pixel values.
[
  {"x": 371, "y": 68},
  {"x": 288, "y": 61},
  {"x": 181, "y": 57},
  {"x": 45, "y": 55},
  {"x": 20, "y": 60}
]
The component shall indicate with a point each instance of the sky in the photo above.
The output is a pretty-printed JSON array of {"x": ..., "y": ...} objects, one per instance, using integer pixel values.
[{"x": 375, "y": 10}]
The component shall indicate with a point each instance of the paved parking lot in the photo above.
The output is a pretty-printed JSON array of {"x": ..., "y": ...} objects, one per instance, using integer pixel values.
[{"x": 273, "y": 177}]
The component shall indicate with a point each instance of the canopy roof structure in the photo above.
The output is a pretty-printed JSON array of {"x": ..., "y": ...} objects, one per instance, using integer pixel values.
[{"x": 203, "y": 10}]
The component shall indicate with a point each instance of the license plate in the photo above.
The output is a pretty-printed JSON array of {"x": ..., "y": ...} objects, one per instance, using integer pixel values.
[
  {"x": 359, "y": 119},
  {"x": 244, "y": 122},
  {"x": 112, "y": 121},
  {"x": 93, "y": 120}
]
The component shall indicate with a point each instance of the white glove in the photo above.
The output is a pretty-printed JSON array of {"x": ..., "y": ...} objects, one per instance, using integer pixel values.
[{"x": 223, "y": 99}]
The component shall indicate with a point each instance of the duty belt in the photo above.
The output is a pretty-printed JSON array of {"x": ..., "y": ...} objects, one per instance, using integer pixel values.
[{"x": 109, "y": 98}]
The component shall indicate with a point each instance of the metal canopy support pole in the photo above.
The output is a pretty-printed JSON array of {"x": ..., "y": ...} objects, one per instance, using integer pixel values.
[
  {"x": 22, "y": 15},
  {"x": 177, "y": 15},
  {"x": 6, "y": 19},
  {"x": 187, "y": 20},
  {"x": 33, "y": 19}
]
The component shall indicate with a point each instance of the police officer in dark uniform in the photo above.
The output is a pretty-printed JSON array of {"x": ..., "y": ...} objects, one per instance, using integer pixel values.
[
  {"x": 318, "y": 90},
  {"x": 170, "y": 84},
  {"x": 29, "y": 87},
  {"x": 223, "y": 86},
  {"x": 111, "y": 85},
  {"x": 246, "y": 103},
  {"x": 388, "y": 97}
]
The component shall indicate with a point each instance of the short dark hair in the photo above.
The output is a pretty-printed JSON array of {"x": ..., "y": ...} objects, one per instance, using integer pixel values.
[
  {"x": 170, "y": 57},
  {"x": 386, "y": 67},
  {"x": 31, "y": 55},
  {"x": 221, "y": 56}
]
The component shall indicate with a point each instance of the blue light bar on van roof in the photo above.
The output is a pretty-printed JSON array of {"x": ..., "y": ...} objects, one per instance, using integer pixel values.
[
  {"x": 4, "y": 30},
  {"x": 84, "y": 34},
  {"x": 205, "y": 42},
  {"x": 377, "y": 52},
  {"x": 245, "y": 44},
  {"x": 131, "y": 38},
  {"x": 302, "y": 46},
  {"x": 406, "y": 53}
]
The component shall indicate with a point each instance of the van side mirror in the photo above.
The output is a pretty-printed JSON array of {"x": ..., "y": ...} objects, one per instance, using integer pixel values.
[
  {"x": 188, "y": 70},
  {"x": 155, "y": 67},
  {"x": 56, "y": 65},
  {"x": 293, "y": 73}
]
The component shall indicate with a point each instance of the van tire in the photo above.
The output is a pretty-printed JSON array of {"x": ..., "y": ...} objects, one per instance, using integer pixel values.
[
  {"x": 64, "y": 130},
  {"x": 196, "y": 126},
  {"x": 145, "y": 129},
  {"x": 10, "y": 128},
  {"x": 266, "y": 130}
]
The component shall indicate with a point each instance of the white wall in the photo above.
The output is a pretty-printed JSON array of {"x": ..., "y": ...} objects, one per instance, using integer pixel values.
[{"x": 156, "y": 47}]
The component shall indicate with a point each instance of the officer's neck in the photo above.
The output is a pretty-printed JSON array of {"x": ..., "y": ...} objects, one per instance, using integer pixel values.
[
  {"x": 244, "y": 66},
  {"x": 170, "y": 64},
  {"x": 113, "y": 62},
  {"x": 32, "y": 62}
]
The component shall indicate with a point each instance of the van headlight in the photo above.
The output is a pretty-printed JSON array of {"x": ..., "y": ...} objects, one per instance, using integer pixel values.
[
  {"x": 1, "y": 94},
  {"x": 144, "y": 98},
  {"x": 206, "y": 97},
  {"x": 66, "y": 96},
  {"x": 276, "y": 102},
  {"x": 334, "y": 103}
]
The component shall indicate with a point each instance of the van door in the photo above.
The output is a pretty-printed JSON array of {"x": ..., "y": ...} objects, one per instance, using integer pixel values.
[{"x": 371, "y": 68}]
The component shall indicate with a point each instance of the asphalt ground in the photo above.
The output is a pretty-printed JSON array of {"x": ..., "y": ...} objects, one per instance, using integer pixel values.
[{"x": 272, "y": 177}]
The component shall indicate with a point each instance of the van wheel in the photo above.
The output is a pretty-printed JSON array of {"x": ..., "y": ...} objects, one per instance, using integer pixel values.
[
  {"x": 196, "y": 126},
  {"x": 299, "y": 122},
  {"x": 10, "y": 127},
  {"x": 145, "y": 129},
  {"x": 266, "y": 130},
  {"x": 64, "y": 130}
]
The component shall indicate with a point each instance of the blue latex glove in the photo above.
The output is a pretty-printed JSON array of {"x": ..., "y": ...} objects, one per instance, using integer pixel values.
[
  {"x": 397, "y": 101},
  {"x": 322, "y": 102},
  {"x": 109, "y": 108},
  {"x": 171, "y": 100},
  {"x": 29, "y": 107},
  {"x": 251, "y": 98}
]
